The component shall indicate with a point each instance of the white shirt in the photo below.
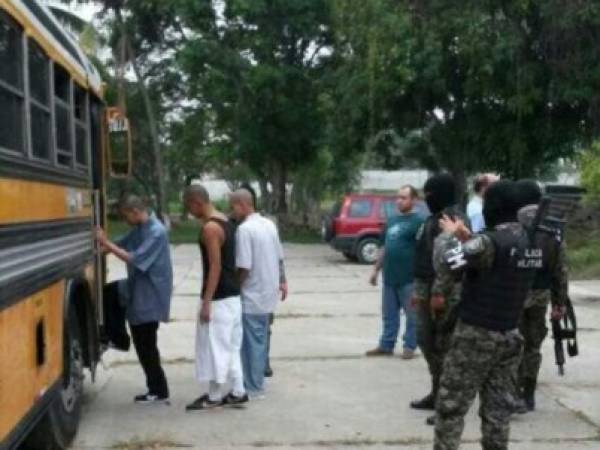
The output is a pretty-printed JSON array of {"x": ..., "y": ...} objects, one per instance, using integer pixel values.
[
  {"x": 475, "y": 214},
  {"x": 259, "y": 251}
]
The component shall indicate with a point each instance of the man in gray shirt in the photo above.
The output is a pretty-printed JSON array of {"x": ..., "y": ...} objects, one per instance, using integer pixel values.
[{"x": 145, "y": 250}]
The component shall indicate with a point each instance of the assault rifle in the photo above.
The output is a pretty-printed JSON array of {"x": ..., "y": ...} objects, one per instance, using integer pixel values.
[
  {"x": 565, "y": 329},
  {"x": 560, "y": 203}
]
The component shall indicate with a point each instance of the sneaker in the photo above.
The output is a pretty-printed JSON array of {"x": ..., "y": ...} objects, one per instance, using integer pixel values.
[
  {"x": 379, "y": 352},
  {"x": 236, "y": 401},
  {"x": 150, "y": 398},
  {"x": 408, "y": 354},
  {"x": 427, "y": 403},
  {"x": 268, "y": 372},
  {"x": 204, "y": 402}
]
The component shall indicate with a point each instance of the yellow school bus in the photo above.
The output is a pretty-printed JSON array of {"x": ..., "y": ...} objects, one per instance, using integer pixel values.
[{"x": 54, "y": 160}]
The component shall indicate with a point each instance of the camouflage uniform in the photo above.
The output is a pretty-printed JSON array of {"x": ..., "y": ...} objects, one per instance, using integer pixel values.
[
  {"x": 533, "y": 322},
  {"x": 434, "y": 331},
  {"x": 478, "y": 361}
]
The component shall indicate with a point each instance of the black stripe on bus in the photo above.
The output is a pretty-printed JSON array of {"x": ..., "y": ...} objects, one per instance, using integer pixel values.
[
  {"x": 22, "y": 287},
  {"x": 17, "y": 234},
  {"x": 12, "y": 166},
  {"x": 33, "y": 416}
]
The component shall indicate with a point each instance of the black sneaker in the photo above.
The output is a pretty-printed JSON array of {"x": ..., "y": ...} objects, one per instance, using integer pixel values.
[
  {"x": 150, "y": 398},
  {"x": 235, "y": 401},
  {"x": 204, "y": 402}
]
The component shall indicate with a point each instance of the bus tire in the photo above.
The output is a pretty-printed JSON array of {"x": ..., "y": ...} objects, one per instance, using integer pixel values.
[{"x": 58, "y": 427}]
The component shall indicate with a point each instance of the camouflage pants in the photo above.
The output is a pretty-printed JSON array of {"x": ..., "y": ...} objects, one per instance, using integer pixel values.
[
  {"x": 433, "y": 334},
  {"x": 479, "y": 361},
  {"x": 534, "y": 330}
]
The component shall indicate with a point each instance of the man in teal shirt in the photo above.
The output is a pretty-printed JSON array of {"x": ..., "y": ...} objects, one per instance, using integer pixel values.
[{"x": 396, "y": 258}]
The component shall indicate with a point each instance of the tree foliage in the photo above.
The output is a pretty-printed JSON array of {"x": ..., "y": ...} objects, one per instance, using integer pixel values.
[{"x": 303, "y": 93}]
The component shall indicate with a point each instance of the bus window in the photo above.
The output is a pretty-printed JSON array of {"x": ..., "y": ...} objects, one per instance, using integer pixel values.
[
  {"x": 11, "y": 86},
  {"x": 62, "y": 117},
  {"x": 39, "y": 105},
  {"x": 81, "y": 127}
]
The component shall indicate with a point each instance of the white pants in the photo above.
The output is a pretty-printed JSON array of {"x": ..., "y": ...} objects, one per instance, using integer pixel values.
[{"x": 218, "y": 345}]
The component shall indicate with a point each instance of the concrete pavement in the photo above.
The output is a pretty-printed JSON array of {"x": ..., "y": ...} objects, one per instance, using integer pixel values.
[{"x": 325, "y": 393}]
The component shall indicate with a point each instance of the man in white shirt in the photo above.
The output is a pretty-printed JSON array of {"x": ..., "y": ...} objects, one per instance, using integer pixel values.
[
  {"x": 259, "y": 258},
  {"x": 475, "y": 206}
]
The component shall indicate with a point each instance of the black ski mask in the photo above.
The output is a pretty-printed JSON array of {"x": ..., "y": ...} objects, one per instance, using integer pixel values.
[
  {"x": 440, "y": 192},
  {"x": 529, "y": 192},
  {"x": 500, "y": 203}
]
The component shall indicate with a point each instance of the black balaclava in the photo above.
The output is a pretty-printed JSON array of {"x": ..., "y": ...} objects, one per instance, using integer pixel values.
[
  {"x": 529, "y": 192},
  {"x": 500, "y": 203},
  {"x": 440, "y": 192}
]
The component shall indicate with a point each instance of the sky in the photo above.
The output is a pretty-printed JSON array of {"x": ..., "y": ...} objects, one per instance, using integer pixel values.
[{"x": 85, "y": 11}]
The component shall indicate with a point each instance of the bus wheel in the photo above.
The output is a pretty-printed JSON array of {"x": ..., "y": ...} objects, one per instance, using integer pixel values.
[{"x": 58, "y": 427}]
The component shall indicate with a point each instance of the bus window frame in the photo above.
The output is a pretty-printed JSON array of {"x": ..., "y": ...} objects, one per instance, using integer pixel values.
[
  {"x": 12, "y": 90},
  {"x": 66, "y": 105},
  {"x": 85, "y": 125},
  {"x": 47, "y": 109},
  {"x": 23, "y": 158}
]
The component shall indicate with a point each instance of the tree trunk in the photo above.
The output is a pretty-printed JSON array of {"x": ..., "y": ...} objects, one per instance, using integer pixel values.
[
  {"x": 162, "y": 205},
  {"x": 460, "y": 180},
  {"x": 279, "y": 189},
  {"x": 265, "y": 195}
]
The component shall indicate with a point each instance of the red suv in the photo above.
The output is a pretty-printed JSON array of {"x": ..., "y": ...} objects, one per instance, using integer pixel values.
[{"x": 354, "y": 225}]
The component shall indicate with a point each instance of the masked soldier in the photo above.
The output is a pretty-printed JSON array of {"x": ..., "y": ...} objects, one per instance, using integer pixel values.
[
  {"x": 549, "y": 286},
  {"x": 486, "y": 345},
  {"x": 433, "y": 324}
]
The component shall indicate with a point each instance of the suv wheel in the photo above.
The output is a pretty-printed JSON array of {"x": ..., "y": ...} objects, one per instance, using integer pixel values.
[{"x": 368, "y": 250}]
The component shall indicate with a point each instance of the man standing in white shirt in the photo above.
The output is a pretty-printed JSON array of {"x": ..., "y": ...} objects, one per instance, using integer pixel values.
[
  {"x": 259, "y": 258},
  {"x": 475, "y": 206}
]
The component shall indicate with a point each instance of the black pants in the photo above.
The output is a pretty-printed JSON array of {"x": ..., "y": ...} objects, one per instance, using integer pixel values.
[
  {"x": 144, "y": 340},
  {"x": 115, "y": 330}
]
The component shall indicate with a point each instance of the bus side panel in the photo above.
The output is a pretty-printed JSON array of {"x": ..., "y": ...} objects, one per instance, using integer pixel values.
[
  {"x": 31, "y": 345},
  {"x": 30, "y": 201}
]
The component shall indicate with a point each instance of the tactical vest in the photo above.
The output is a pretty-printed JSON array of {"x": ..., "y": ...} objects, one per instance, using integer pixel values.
[
  {"x": 430, "y": 229},
  {"x": 549, "y": 246},
  {"x": 494, "y": 298}
]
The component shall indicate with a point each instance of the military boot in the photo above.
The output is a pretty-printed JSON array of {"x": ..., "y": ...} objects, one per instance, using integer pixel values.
[
  {"x": 529, "y": 386},
  {"x": 427, "y": 402}
]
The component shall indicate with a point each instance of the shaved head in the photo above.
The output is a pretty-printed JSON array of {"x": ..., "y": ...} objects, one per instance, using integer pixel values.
[
  {"x": 197, "y": 201},
  {"x": 242, "y": 196},
  {"x": 196, "y": 192},
  {"x": 242, "y": 203}
]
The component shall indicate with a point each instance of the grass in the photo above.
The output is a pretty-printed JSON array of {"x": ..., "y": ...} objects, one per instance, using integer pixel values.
[
  {"x": 583, "y": 254},
  {"x": 187, "y": 233}
]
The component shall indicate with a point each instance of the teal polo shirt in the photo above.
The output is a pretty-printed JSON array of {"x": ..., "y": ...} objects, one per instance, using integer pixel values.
[{"x": 399, "y": 239}]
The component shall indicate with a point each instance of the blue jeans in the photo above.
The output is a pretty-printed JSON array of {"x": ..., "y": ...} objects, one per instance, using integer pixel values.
[
  {"x": 395, "y": 299},
  {"x": 254, "y": 351}
]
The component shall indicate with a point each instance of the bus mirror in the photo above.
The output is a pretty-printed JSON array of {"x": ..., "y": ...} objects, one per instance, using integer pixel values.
[{"x": 118, "y": 143}]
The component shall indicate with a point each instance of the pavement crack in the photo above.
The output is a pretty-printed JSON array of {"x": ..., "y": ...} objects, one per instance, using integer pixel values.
[
  {"x": 580, "y": 415},
  {"x": 310, "y": 358}
]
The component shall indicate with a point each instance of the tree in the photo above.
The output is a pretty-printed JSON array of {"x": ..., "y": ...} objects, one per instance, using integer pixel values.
[
  {"x": 258, "y": 68},
  {"x": 504, "y": 86}
]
